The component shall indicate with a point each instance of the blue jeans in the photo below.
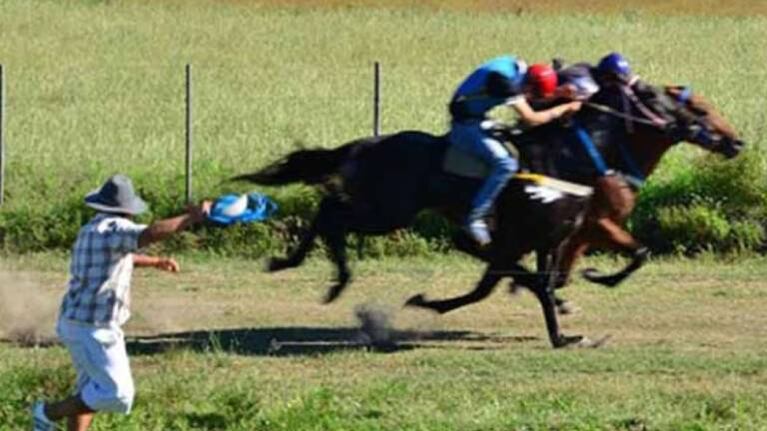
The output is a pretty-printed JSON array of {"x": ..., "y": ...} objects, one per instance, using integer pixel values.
[{"x": 473, "y": 139}]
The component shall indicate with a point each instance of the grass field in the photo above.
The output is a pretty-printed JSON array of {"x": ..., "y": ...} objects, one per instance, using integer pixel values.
[
  {"x": 223, "y": 347},
  {"x": 97, "y": 87}
]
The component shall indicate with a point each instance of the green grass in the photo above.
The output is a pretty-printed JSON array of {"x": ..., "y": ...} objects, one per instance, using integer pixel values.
[
  {"x": 687, "y": 352},
  {"x": 96, "y": 87}
]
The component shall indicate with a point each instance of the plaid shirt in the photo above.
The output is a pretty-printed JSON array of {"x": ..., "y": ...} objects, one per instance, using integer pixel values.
[{"x": 101, "y": 269}]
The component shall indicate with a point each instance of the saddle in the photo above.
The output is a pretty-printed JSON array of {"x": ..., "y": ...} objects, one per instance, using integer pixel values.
[{"x": 463, "y": 164}]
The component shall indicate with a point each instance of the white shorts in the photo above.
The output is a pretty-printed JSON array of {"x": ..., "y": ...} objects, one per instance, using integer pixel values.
[{"x": 104, "y": 381}]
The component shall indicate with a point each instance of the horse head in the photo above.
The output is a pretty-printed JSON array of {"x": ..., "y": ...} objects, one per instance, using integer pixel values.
[{"x": 697, "y": 122}]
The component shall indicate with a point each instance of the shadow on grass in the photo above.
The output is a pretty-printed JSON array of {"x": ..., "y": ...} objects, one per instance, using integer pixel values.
[{"x": 291, "y": 341}]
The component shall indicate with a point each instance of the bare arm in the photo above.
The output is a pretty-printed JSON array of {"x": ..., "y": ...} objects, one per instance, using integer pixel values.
[
  {"x": 162, "y": 229},
  {"x": 162, "y": 263},
  {"x": 536, "y": 118}
]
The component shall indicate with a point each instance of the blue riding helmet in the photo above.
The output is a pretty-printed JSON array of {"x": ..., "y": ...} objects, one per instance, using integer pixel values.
[{"x": 615, "y": 64}]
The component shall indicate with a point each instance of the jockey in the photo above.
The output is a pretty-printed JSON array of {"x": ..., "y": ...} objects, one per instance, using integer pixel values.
[
  {"x": 615, "y": 70},
  {"x": 576, "y": 81},
  {"x": 504, "y": 80}
]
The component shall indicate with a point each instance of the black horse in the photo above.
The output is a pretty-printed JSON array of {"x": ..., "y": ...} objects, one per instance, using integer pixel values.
[{"x": 378, "y": 185}]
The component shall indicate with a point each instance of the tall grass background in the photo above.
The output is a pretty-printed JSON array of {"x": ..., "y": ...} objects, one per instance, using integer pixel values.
[{"x": 97, "y": 87}]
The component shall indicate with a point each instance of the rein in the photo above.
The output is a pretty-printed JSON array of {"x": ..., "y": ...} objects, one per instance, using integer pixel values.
[
  {"x": 614, "y": 112},
  {"x": 635, "y": 175}
]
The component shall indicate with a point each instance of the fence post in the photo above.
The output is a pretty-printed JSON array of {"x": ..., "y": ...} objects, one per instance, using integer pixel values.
[
  {"x": 376, "y": 132},
  {"x": 2, "y": 135},
  {"x": 376, "y": 99},
  {"x": 188, "y": 133}
]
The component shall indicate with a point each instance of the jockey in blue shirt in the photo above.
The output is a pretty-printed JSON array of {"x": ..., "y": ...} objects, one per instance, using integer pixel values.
[{"x": 504, "y": 80}]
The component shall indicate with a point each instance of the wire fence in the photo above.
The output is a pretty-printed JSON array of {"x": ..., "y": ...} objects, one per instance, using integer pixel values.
[
  {"x": 2, "y": 135},
  {"x": 190, "y": 100}
]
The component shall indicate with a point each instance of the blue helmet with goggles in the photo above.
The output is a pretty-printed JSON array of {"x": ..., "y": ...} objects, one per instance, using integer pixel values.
[{"x": 615, "y": 64}]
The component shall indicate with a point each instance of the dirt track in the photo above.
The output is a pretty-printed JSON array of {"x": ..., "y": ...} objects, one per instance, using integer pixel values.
[{"x": 716, "y": 304}]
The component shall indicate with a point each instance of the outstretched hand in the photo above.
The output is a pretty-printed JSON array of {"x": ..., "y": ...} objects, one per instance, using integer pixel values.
[
  {"x": 200, "y": 212},
  {"x": 167, "y": 264}
]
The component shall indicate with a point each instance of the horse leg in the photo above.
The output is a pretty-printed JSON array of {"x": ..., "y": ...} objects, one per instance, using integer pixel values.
[
  {"x": 336, "y": 242},
  {"x": 329, "y": 224},
  {"x": 485, "y": 286},
  {"x": 542, "y": 285},
  {"x": 613, "y": 236},
  {"x": 544, "y": 291},
  {"x": 544, "y": 260},
  {"x": 612, "y": 205},
  {"x": 546, "y": 298},
  {"x": 297, "y": 256},
  {"x": 548, "y": 264},
  {"x": 333, "y": 228},
  {"x": 572, "y": 250}
]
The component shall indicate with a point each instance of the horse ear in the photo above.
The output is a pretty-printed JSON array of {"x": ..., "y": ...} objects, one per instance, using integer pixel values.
[{"x": 673, "y": 90}]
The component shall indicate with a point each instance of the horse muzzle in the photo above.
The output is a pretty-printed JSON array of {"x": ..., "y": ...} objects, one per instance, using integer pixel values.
[{"x": 732, "y": 147}]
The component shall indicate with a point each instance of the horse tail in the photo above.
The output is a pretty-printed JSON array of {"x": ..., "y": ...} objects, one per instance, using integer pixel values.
[{"x": 305, "y": 166}]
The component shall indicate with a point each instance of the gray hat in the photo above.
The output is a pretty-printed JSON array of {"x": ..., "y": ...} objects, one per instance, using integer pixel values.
[{"x": 116, "y": 196}]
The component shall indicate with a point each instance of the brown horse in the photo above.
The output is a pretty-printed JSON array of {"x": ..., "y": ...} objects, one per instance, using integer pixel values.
[
  {"x": 632, "y": 146},
  {"x": 634, "y": 160}
]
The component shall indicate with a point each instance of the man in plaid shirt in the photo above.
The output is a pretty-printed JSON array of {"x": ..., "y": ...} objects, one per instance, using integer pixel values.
[{"x": 97, "y": 302}]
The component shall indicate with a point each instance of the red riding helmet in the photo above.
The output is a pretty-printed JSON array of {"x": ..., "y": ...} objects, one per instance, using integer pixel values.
[{"x": 543, "y": 79}]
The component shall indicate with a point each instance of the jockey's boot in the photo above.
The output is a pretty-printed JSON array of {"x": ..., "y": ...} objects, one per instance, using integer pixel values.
[{"x": 478, "y": 231}]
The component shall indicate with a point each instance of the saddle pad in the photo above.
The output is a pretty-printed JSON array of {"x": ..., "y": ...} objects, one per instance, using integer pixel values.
[
  {"x": 460, "y": 163},
  {"x": 556, "y": 184},
  {"x": 463, "y": 164}
]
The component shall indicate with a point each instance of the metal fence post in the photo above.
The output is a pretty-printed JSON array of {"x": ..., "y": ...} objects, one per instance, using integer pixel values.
[
  {"x": 376, "y": 98},
  {"x": 2, "y": 134},
  {"x": 188, "y": 133}
]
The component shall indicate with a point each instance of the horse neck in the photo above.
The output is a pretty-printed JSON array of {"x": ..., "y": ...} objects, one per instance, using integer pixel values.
[{"x": 647, "y": 150}]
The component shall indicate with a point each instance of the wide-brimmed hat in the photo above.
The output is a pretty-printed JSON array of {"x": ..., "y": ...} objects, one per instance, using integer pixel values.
[{"x": 116, "y": 196}]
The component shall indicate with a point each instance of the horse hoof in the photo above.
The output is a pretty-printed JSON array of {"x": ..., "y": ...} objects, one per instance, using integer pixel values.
[
  {"x": 333, "y": 293},
  {"x": 416, "y": 301},
  {"x": 581, "y": 342},
  {"x": 568, "y": 341},
  {"x": 331, "y": 296},
  {"x": 591, "y": 274},
  {"x": 515, "y": 289},
  {"x": 276, "y": 264},
  {"x": 566, "y": 308},
  {"x": 587, "y": 343}
]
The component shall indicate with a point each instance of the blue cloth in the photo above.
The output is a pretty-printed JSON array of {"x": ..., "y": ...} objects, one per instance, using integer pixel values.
[
  {"x": 259, "y": 208},
  {"x": 590, "y": 149},
  {"x": 473, "y": 139},
  {"x": 685, "y": 95},
  {"x": 473, "y": 92}
]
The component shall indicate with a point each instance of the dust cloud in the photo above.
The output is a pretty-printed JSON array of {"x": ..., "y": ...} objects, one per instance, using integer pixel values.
[{"x": 28, "y": 309}]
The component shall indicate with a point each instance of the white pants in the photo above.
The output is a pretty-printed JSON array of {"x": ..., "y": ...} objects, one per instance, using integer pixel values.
[{"x": 104, "y": 380}]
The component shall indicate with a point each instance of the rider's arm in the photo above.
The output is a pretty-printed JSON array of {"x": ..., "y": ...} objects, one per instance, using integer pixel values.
[
  {"x": 162, "y": 229},
  {"x": 534, "y": 118}
]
